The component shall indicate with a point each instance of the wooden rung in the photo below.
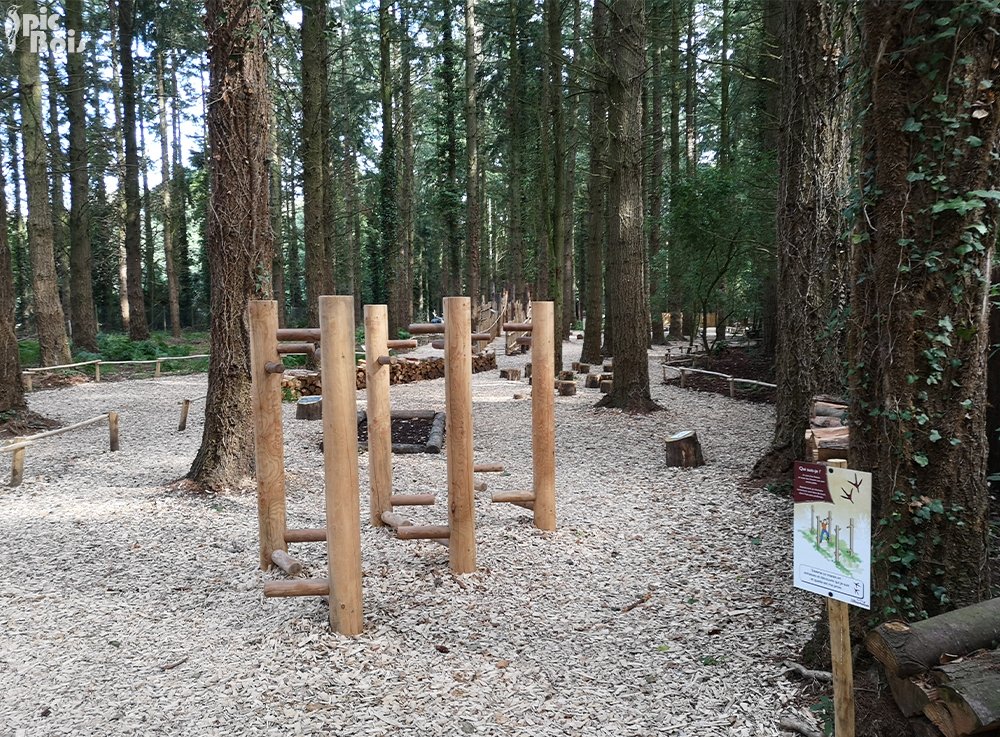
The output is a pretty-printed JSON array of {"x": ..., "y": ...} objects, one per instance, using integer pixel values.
[
  {"x": 437, "y": 345},
  {"x": 286, "y": 348},
  {"x": 443, "y": 541},
  {"x": 523, "y": 340},
  {"x": 395, "y": 520},
  {"x": 401, "y": 344},
  {"x": 412, "y": 500},
  {"x": 525, "y": 505},
  {"x": 423, "y": 532},
  {"x": 274, "y": 367},
  {"x": 307, "y": 535},
  {"x": 286, "y": 562},
  {"x": 481, "y": 336},
  {"x": 514, "y": 496},
  {"x": 387, "y": 360},
  {"x": 300, "y": 587},
  {"x": 488, "y": 468},
  {"x": 311, "y": 335},
  {"x": 426, "y": 328},
  {"x": 517, "y": 327}
]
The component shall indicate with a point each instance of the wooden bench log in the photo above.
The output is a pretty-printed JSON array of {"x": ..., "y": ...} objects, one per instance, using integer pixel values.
[
  {"x": 593, "y": 381},
  {"x": 605, "y": 387},
  {"x": 567, "y": 376},
  {"x": 683, "y": 450},
  {"x": 299, "y": 587},
  {"x": 583, "y": 368}
]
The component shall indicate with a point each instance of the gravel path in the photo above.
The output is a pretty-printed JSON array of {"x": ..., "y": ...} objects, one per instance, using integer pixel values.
[{"x": 662, "y": 605}]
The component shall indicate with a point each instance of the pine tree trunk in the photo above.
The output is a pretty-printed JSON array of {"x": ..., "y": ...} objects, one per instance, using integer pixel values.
[
  {"x": 691, "y": 95},
  {"x": 180, "y": 197},
  {"x": 384, "y": 259},
  {"x": 813, "y": 182},
  {"x": 473, "y": 217},
  {"x": 656, "y": 196},
  {"x": 597, "y": 185},
  {"x": 627, "y": 62},
  {"x": 57, "y": 166},
  {"x": 407, "y": 200},
  {"x": 770, "y": 66},
  {"x": 138, "y": 328},
  {"x": 555, "y": 216},
  {"x": 149, "y": 250},
  {"x": 239, "y": 234},
  {"x": 313, "y": 72},
  {"x": 82, "y": 297},
  {"x": 119, "y": 165},
  {"x": 167, "y": 215},
  {"x": 49, "y": 319},
  {"x": 516, "y": 282},
  {"x": 573, "y": 143},
  {"x": 674, "y": 288},
  {"x": 11, "y": 391},
  {"x": 919, "y": 332},
  {"x": 451, "y": 282}
]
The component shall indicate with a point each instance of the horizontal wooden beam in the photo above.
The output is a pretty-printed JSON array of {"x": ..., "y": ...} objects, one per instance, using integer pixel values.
[
  {"x": 286, "y": 348},
  {"x": 61, "y": 430},
  {"x": 514, "y": 496},
  {"x": 423, "y": 532},
  {"x": 488, "y": 468},
  {"x": 517, "y": 327},
  {"x": 400, "y": 344},
  {"x": 426, "y": 328},
  {"x": 388, "y": 360},
  {"x": 311, "y": 335},
  {"x": 481, "y": 336},
  {"x": 412, "y": 500},
  {"x": 62, "y": 366},
  {"x": 274, "y": 367},
  {"x": 299, "y": 587},
  {"x": 306, "y": 535}
]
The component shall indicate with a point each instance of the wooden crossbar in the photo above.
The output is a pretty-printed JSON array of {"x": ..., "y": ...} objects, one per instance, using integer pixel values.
[
  {"x": 514, "y": 496},
  {"x": 412, "y": 500},
  {"x": 301, "y": 587},
  {"x": 306, "y": 535},
  {"x": 310, "y": 335},
  {"x": 287, "y": 348},
  {"x": 401, "y": 344},
  {"x": 517, "y": 327},
  {"x": 488, "y": 468},
  {"x": 423, "y": 532},
  {"x": 426, "y": 328}
]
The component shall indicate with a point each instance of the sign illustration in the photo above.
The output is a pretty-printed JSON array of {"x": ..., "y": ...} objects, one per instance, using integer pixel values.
[{"x": 833, "y": 532}]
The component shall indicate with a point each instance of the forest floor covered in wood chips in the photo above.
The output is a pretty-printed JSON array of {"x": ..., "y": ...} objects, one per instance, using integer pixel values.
[{"x": 662, "y": 605}]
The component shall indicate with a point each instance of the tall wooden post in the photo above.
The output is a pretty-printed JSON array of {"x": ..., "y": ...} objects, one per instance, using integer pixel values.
[
  {"x": 340, "y": 463},
  {"x": 458, "y": 421},
  {"x": 543, "y": 442},
  {"x": 377, "y": 411},
  {"x": 269, "y": 444},
  {"x": 113, "y": 430},
  {"x": 841, "y": 657}
]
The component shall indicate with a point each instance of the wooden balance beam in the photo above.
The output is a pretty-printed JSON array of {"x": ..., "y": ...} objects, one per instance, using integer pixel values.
[{"x": 298, "y": 587}]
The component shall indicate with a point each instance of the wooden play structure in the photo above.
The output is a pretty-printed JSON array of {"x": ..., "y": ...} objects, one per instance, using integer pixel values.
[
  {"x": 340, "y": 455},
  {"x": 19, "y": 446},
  {"x": 541, "y": 499}
]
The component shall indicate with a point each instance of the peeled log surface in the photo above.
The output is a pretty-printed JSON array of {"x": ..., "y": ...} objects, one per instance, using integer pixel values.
[
  {"x": 423, "y": 532},
  {"x": 412, "y": 500},
  {"x": 309, "y": 408},
  {"x": 307, "y": 535},
  {"x": 513, "y": 497},
  {"x": 970, "y": 689},
  {"x": 301, "y": 587},
  {"x": 684, "y": 450},
  {"x": 908, "y": 649}
]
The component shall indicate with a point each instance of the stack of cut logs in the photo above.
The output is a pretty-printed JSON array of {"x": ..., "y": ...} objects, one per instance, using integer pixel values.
[
  {"x": 304, "y": 383},
  {"x": 944, "y": 672},
  {"x": 828, "y": 435}
]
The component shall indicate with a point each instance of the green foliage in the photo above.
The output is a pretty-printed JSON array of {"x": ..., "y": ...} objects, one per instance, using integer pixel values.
[
  {"x": 29, "y": 352},
  {"x": 403, "y": 334},
  {"x": 825, "y": 712}
]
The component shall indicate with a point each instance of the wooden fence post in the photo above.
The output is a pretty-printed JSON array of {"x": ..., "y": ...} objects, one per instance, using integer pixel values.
[
  {"x": 841, "y": 657},
  {"x": 113, "y": 430},
  {"x": 268, "y": 437},
  {"x": 340, "y": 463},
  {"x": 97, "y": 372},
  {"x": 17, "y": 465},
  {"x": 458, "y": 419},
  {"x": 185, "y": 408},
  {"x": 543, "y": 446},
  {"x": 156, "y": 372},
  {"x": 377, "y": 412}
]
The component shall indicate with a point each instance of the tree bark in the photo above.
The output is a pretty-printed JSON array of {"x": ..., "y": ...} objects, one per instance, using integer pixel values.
[
  {"x": 167, "y": 216},
  {"x": 674, "y": 290},
  {"x": 49, "y": 319},
  {"x": 82, "y": 297},
  {"x": 138, "y": 328},
  {"x": 239, "y": 234},
  {"x": 404, "y": 279},
  {"x": 57, "y": 167},
  {"x": 626, "y": 68},
  {"x": 11, "y": 391},
  {"x": 813, "y": 174},
  {"x": 473, "y": 217},
  {"x": 314, "y": 67},
  {"x": 451, "y": 281},
  {"x": 656, "y": 195},
  {"x": 691, "y": 95},
  {"x": 386, "y": 256},
  {"x": 556, "y": 218},
  {"x": 918, "y": 332}
]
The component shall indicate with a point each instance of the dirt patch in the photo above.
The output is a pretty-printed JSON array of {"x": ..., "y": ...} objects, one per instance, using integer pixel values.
[
  {"x": 24, "y": 422},
  {"x": 737, "y": 362},
  {"x": 409, "y": 430}
]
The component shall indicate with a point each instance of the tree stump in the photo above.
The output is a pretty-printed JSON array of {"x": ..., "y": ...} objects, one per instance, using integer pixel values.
[
  {"x": 609, "y": 366},
  {"x": 510, "y": 374},
  {"x": 575, "y": 365},
  {"x": 683, "y": 450},
  {"x": 593, "y": 381},
  {"x": 583, "y": 368},
  {"x": 567, "y": 388},
  {"x": 605, "y": 387},
  {"x": 567, "y": 376},
  {"x": 309, "y": 408},
  {"x": 527, "y": 370},
  {"x": 607, "y": 376}
]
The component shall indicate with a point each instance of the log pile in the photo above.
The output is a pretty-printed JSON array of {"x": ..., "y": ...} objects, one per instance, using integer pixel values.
[
  {"x": 944, "y": 672},
  {"x": 828, "y": 435},
  {"x": 305, "y": 383}
]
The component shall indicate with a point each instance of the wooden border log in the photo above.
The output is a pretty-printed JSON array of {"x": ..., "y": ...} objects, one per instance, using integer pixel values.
[
  {"x": 340, "y": 463},
  {"x": 62, "y": 430},
  {"x": 908, "y": 649},
  {"x": 286, "y": 562},
  {"x": 299, "y": 587},
  {"x": 377, "y": 412},
  {"x": 543, "y": 433},
  {"x": 488, "y": 468},
  {"x": 518, "y": 327},
  {"x": 305, "y": 535},
  {"x": 512, "y": 497},
  {"x": 412, "y": 500},
  {"x": 458, "y": 420},
  {"x": 269, "y": 452},
  {"x": 426, "y": 328},
  {"x": 435, "y": 439},
  {"x": 424, "y": 532},
  {"x": 401, "y": 345},
  {"x": 299, "y": 335},
  {"x": 113, "y": 431},
  {"x": 395, "y": 520}
]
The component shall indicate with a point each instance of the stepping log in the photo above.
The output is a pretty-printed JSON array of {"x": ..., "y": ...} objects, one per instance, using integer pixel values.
[
  {"x": 605, "y": 387},
  {"x": 511, "y": 374},
  {"x": 527, "y": 370},
  {"x": 583, "y": 368},
  {"x": 607, "y": 376},
  {"x": 309, "y": 408},
  {"x": 683, "y": 450},
  {"x": 593, "y": 381},
  {"x": 609, "y": 366},
  {"x": 567, "y": 388},
  {"x": 567, "y": 376}
]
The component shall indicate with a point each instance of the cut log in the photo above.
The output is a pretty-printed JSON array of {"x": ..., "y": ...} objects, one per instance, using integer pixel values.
[
  {"x": 824, "y": 443},
  {"x": 412, "y": 500},
  {"x": 825, "y": 422},
  {"x": 607, "y": 376},
  {"x": 309, "y": 408},
  {"x": 513, "y": 497},
  {"x": 511, "y": 374},
  {"x": 286, "y": 562},
  {"x": 908, "y": 649},
  {"x": 575, "y": 366},
  {"x": 826, "y": 409},
  {"x": 922, "y": 727},
  {"x": 567, "y": 376},
  {"x": 527, "y": 370},
  {"x": 435, "y": 439},
  {"x": 609, "y": 366},
  {"x": 683, "y": 450},
  {"x": 583, "y": 368},
  {"x": 593, "y": 381},
  {"x": 912, "y": 695},
  {"x": 567, "y": 388},
  {"x": 395, "y": 520},
  {"x": 307, "y": 535},
  {"x": 970, "y": 689},
  {"x": 299, "y": 587},
  {"x": 605, "y": 387},
  {"x": 423, "y": 532}
]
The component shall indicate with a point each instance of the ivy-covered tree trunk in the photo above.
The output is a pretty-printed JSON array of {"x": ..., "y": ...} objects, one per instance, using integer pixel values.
[
  {"x": 11, "y": 391},
  {"x": 314, "y": 66},
  {"x": 383, "y": 264},
  {"x": 918, "y": 333},
  {"x": 626, "y": 246},
  {"x": 239, "y": 233},
  {"x": 813, "y": 171}
]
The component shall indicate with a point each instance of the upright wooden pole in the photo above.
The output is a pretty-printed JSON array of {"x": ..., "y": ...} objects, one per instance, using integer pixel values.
[
  {"x": 340, "y": 463},
  {"x": 543, "y": 426},
  {"x": 841, "y": 657},
  {"x": 113, "y": 430},
  {"x": 268, "y": 438},
  {"x": 377, "y": 411},
  {"x": 17, "y": 465},
  {"x": 458, "y": 420}
]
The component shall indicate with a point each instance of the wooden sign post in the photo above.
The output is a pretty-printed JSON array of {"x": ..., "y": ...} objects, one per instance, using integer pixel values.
[{"x": 841, "y": 657}]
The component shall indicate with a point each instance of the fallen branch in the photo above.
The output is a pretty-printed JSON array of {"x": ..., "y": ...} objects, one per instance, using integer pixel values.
[
  {"x": 638, "y": 602},
  {"x": 794, "y": 725},
  {"x": 803, "y": 672},
  {"x": 171, "y": 666}
]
